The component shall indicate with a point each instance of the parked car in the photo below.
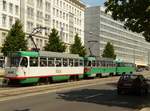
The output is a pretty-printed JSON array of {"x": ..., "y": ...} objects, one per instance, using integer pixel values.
[{"x": 135, "y": 84}]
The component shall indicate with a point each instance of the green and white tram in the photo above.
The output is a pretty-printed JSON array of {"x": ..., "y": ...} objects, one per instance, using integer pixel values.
[
  {"x": 42, "y": 67},
  {"x": 98, "y": 67}
]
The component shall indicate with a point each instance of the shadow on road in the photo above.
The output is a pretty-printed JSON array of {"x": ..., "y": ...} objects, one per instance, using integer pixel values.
[{"x": 105, "y": 97}]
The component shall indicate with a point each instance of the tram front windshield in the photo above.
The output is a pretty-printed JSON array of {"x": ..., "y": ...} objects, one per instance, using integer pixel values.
[{"x": 13, "y": 61}]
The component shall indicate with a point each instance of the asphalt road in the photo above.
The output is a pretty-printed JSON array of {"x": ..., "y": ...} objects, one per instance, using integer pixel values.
[{"x": 93, "y": 98}]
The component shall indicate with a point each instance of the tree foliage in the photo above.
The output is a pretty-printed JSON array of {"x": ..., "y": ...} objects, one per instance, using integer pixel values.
[
  {"x": 55, "y": 44},
  {"x": 15, "y": 39},
  {"x": 77, "y": 47},
  {"x": 134, "y": 13},
  {"x": 109, "y": 51}
]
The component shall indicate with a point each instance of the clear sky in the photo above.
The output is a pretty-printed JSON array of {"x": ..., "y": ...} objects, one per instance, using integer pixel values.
[{"x": 94, "y": 2}]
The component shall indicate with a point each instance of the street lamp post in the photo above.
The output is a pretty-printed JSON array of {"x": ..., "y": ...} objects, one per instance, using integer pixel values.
[{"x": 91, "y": 41}]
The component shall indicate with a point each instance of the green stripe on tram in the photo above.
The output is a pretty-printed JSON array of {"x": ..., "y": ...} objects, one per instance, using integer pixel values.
[
  {"x": 28, "y": 53},
  {"x": 121, "y": 70},
  {"x": 60, "y": 78},
  {"x": 29, "y": 80}
]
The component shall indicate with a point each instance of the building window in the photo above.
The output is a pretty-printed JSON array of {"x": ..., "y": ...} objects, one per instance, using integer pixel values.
[
  {"x": 41, "y": 43},
  {"x": 31, "y": 2},
  {"x": 4, "y": 20},
  {"x": 3, "y": 37},
  {"x": 37, "y": 42},
  {"x": 60, "y": 3},
  {"x": 47, "y": 31},
  {"x": 30, "y": 12},
  {"x": 10, "y": 7},
  {"x": 4, "y": 5},
  {"x": 60, "y": 14},
  {"x": 39, "y": 15},
  {"x": 10, "y": 21},
  {"x": 16, "y": 10},
  {"x": 29, "y": 26},
  {"x": 47, "y": 6},
  {"x": 54, "y": 24},
  {"x": 57, "y": 3},
  {"x": 57, "y": 13},
  {"x": 40, "y": 4},
  {"x": 47, "y": 17},
  {"x": 63, "y": 15}
]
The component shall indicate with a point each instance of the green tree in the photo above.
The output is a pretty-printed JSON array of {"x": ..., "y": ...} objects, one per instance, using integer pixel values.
[
  {"x": 77, "y": 47},
  {"x": 55, "y": 44},
  {"x": 134, "y": 13},
  {"x": 109, "y": 51},
  {"x": 15, "y": 39}
]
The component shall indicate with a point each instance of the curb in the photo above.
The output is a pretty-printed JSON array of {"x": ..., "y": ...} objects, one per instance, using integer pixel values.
[{"x": 145, "y": 109}]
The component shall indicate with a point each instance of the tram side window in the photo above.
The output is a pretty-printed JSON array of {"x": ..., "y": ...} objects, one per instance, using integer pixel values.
[
  {"x": 76, "y": 63},
  {"x": 24, "y": 62},
  {"x": 107, "y": 64},
  {"x": 123, "y": 65},
  {"x": 89, "y": 63},
  {"x": 58, "y": 62},
  {"x": 93, "y": 63},
  {"x": 33, "y": 61},
  {"x": 65, "y": 62},
  {"x": 51, "y": 62},
  {"x": 110, "y": 64},
  {"x": 119, "y": 65},
  {"x": 97, "y": 63},
  {"x": 43, "y": 62},
  {"x": 102, "y": 63},
  {"x": 114, "y": 65},
  {"x": 85, "y": 63},
  {"x": 81, "y": 63},
  {"x": 71, "y": 62}
]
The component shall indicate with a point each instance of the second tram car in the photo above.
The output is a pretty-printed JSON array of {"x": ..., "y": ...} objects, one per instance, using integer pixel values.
[{"x": 98, "y": 67}]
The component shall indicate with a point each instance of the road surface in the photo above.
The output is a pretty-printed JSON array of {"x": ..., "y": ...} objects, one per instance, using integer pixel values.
[{"x": 102, "y": 97}]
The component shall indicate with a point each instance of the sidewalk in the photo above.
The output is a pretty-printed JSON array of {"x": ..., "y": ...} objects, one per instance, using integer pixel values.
[{"x": 145, "y": 109}]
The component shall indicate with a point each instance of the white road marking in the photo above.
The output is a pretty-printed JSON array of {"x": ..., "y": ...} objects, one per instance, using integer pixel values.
[{"x": 93, "y": 96}]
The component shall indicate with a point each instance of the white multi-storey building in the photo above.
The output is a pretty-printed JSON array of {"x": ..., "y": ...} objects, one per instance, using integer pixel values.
[
  {"x": 129, "y": 46},
  {"x": 67, "y": 16},
  {"x": 9, "y": 12}
]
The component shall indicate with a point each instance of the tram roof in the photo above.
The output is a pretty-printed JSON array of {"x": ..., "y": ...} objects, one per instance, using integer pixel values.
[
  {"x": 45, "y": 54},
  {"x": 98, "y": 58},
  {"x": 58, "y": 55}
]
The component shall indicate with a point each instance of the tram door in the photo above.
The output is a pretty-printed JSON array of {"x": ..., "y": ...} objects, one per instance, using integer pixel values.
[{"x": 24, "y": 66}]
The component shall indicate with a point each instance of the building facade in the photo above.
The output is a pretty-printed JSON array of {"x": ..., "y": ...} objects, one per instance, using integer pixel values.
[
  {"x": 67, "y": 16},
  {"x": 129, "y": 46},
  {"x": 9, "y": 13}
]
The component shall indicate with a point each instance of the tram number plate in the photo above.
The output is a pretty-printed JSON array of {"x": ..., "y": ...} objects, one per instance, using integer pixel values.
[{"x": 58, "y": 71}]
